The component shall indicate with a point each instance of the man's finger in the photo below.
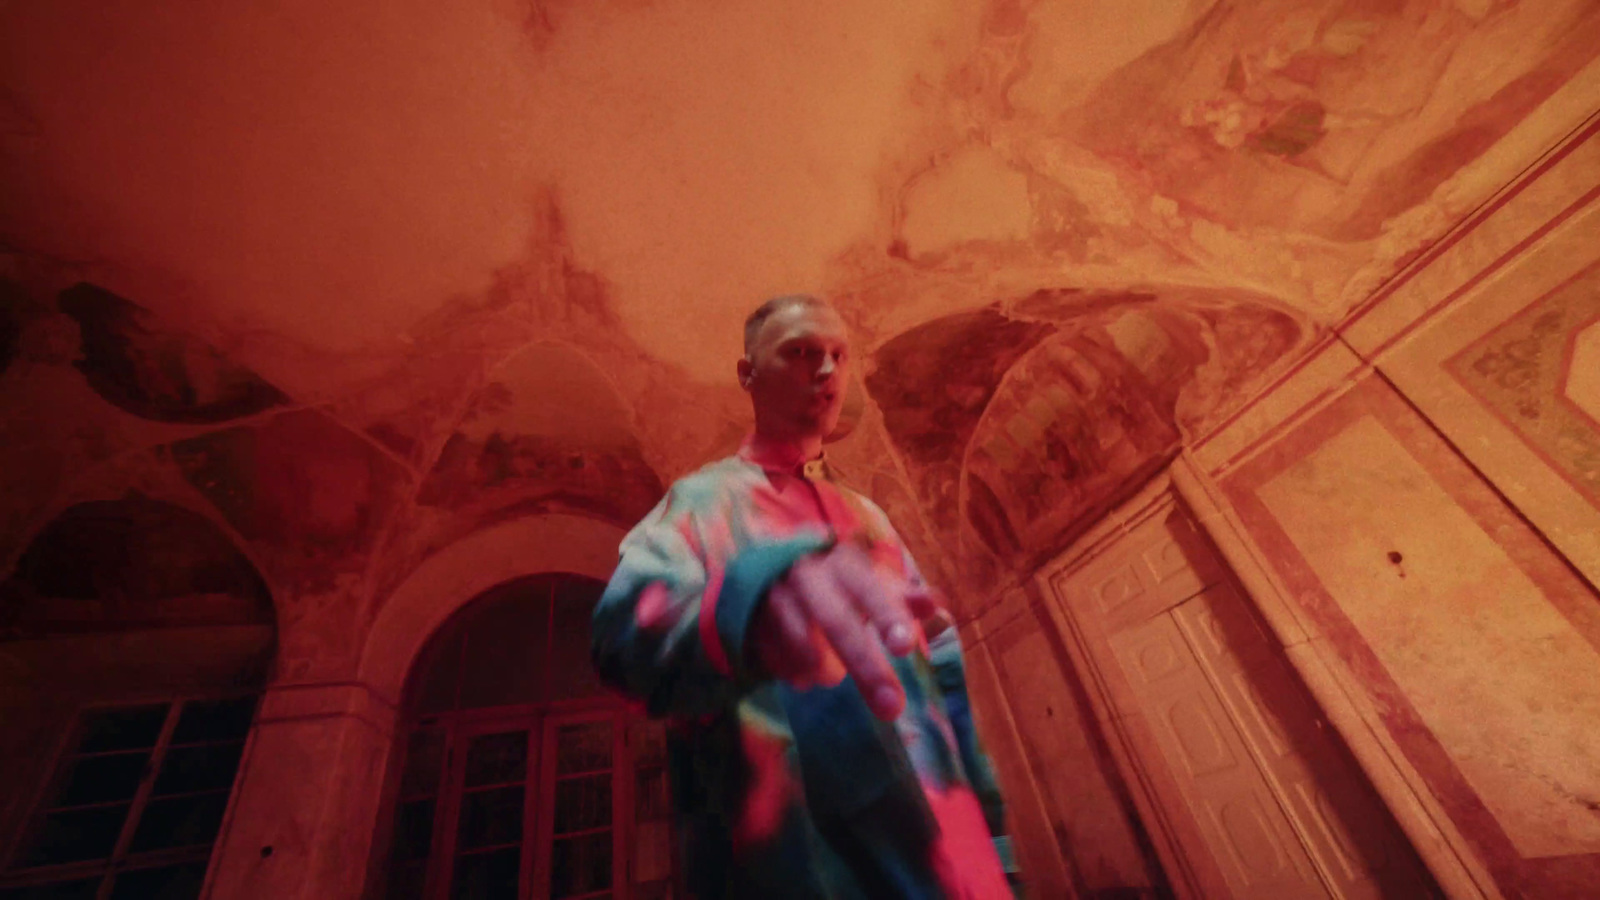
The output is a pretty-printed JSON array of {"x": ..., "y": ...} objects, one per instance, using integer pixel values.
[
  {"x": 829, "y": 670},
  {"x": 789, "y": 649},
  {"x": 789, "y": 618},
  {"x": 879, "y": 598},
  {"x": 855, "y": 641}
]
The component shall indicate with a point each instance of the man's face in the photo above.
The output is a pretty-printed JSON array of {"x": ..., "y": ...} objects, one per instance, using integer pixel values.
[{"x": 797, "y": 370}]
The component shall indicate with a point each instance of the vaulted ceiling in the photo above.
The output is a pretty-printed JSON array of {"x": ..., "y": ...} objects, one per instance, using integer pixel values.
[{"x": 459, "y": 246}]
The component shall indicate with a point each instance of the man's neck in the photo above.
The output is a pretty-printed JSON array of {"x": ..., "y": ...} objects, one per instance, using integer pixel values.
[{"x": 790, "y": 450}]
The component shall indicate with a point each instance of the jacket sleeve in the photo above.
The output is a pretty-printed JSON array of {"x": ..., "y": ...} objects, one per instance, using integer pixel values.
[
  {"x": 949, "y": 670},
  {"x": 670, "y": 630}
]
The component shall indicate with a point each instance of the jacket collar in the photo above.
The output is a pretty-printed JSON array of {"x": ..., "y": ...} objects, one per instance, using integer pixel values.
[{"x": 783, "y": 460}]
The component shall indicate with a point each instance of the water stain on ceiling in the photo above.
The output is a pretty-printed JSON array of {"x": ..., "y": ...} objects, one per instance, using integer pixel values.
[{"x": 134, "y": 362}]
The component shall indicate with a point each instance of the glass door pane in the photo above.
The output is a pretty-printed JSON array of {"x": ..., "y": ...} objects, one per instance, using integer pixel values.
[
  {"x": 488, "y": 830},
  {"x": 527, "y": 803},
  {"x": 420, "y": 778},
  {"x": 579, "y": 856},
  {"x": 652, "y": 812}
]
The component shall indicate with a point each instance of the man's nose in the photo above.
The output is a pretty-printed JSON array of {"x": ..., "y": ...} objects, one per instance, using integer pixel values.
[{"x": 825, "y": 370}]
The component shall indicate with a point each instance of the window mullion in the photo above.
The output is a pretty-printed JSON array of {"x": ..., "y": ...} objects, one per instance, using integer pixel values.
[
  {"x": 544, "y": 837},
  {"x": 621, "y": 807},
  {"x": 547, "y": 674},
  {"x": 532, "y": 815},
  {"x": 442, "y": 860},
  {"x": 141, "y": 797}
]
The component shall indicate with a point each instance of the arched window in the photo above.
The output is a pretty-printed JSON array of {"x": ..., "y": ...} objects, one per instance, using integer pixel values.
[
  {"x": 520, "y": 776},
  {"x": 134, "y": 641}
]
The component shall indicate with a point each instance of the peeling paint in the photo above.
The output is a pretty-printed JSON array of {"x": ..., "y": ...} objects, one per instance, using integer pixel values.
[{"x": 154, "y": 373}]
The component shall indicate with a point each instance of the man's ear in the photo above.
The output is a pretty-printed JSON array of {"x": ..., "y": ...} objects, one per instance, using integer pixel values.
[{"x": 747, "y": 372}]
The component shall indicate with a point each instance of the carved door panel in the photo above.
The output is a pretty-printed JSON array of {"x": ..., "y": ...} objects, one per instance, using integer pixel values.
[
  {"x": 1342, "y": 823},
  {"x": 1145, "y": 572},
  {"x": 1246, "y": 833}
]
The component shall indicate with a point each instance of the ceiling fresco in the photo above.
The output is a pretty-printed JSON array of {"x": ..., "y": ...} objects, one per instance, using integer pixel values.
[{"x": 360, "y": 278}]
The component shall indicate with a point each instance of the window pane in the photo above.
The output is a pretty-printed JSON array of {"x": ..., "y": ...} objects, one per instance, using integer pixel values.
[
  {"x": 202, "y": 768},
  {"x": 424, "y": 757},
  {"x": 439, "y": 670},
  {"x": 572, "y": 673},
  {"x": 103, "y": 779},
  {"x": 580, "y": 865},
  {"x": 583, "y": 748},
  {"x": 487, "y": 876},
  {"x": 180, "y": 821},
  {"x": 215, "y": 720},
  {"x": 180, "y": 882},
  {"x": 406, "y": 881},
  {"x": 74, "y": 836},
  {"x": 651, "y": 796},
  {"x": 649, "y": 743},
  {"x": 505, "y": 640},
  {"x": 583, "y": 803},
  {"x": 82, "y": 889},
  {"x": 497, "y": 758},
  {"x": 413, "y": 831},
  {"x": 490, "y": 817},
  {"x": 122, "y": 729}
]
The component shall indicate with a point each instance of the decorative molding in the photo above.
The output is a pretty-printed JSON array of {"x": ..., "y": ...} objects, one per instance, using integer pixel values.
[{"x": 450, "y": 578}]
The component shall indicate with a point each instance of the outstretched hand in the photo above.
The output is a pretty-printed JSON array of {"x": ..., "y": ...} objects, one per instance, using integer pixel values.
[{"x": 836, "y": 614}]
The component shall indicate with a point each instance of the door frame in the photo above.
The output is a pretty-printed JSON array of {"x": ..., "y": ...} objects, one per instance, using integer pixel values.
[
  {"x": 1171, "y": 831},
  {"x": 541, "y": 721}
]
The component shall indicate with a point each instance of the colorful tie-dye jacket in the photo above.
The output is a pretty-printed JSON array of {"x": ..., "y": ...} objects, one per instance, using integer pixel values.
[{"x": 787, "y": 793}]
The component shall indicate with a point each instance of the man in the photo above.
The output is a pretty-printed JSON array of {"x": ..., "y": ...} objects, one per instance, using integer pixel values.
[{"x": 772, "y": 616}]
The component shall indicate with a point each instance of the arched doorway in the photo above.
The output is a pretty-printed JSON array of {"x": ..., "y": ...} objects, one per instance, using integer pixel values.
[
  {"x": 519, "y": 776},
  {"x": 135, "y": 638}
]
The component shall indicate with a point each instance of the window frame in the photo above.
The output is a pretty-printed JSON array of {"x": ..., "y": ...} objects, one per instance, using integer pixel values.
[
  {"x": 621, "y": 826},
  {"x": 542, "y": 721},
  {"x": 122, "y": 859},
  {"x": 433, "y": 701}
]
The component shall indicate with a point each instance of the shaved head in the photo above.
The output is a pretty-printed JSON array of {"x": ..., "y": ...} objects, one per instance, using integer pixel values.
[{"x": 753, "y": 323}]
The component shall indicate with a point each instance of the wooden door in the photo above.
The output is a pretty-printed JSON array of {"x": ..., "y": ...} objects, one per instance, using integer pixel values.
[
  {"x": 1245, "y": 831},
  {"x": 1251, "y": 790}
]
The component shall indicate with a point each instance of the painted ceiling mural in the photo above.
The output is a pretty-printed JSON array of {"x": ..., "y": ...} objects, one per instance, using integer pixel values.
[{"x": 359, "y": 278}]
